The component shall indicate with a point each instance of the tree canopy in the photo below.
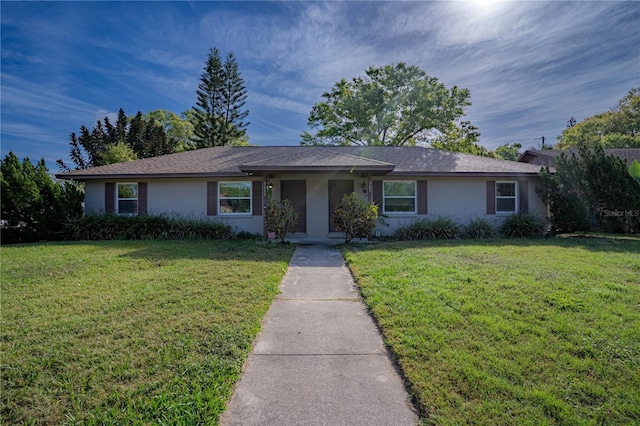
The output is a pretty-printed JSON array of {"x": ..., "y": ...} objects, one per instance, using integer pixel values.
[
  {"x": 617, "y": 128},
  {"x": 218, "y": 114},
  {"x": 138, "y": 138},
  {"x": 396, "y": 104}
]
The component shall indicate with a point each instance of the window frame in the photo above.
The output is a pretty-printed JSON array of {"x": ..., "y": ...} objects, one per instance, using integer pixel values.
[
  {"x": 507, "y": 197},
  {"x": 414, "y": 198},
  {"x": 118, "y": 198},
  {"x": 249, "y": 197}
]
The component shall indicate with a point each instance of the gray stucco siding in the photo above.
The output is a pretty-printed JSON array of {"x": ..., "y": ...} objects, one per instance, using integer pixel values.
[{"x": 462, "y": 199}]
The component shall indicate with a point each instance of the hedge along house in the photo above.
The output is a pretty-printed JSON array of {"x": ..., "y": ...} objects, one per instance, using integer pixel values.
[{"x": 231, "y": 184}]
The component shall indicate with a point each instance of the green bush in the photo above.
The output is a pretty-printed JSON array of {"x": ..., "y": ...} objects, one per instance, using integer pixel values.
[
  {"x": 440, "y": 228},
  {"x": 280, "y": 218},
  {"x": 522, "y": 225},
  {"x": 34, "y": 207},
  {"x": 146, "y": 227},
  {"x": 479, "y": 228},
  {"x": 355, "y": 216}
]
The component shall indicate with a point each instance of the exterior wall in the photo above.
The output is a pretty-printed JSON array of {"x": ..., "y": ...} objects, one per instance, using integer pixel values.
[
  {"x": 93, "y": 197},
  {"x": 462, "y": 199},
  {"x": 177, "y": 197}
]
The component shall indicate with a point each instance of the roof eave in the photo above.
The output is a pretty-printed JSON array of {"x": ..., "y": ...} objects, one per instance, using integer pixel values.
[
  {"x": 137, "y": 176},
  {"x": 466, "y": 174}
]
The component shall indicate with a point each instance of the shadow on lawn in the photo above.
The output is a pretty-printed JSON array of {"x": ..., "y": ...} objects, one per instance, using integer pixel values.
[
  {"x": 595, "y": 244},
  {"x": 194, "y": 249}
]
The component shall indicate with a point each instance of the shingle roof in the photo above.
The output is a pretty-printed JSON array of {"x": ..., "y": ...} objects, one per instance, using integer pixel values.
[
  {"x": 627, "y": 154},
  {"x": 238, "y": 161}
]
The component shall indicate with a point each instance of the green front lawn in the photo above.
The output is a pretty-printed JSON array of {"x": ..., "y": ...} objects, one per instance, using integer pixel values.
[
  {"x": 128, "y": 332},
  {"x": 511, "y": 332}
]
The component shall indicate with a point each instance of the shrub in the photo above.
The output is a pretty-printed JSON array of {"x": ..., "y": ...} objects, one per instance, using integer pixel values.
[
  {"x": 355, "y": 216},
  {"x": 440, "y": 228},
  {"x": 522, "y": 225},
  {"x": 34, "y": 207},
  {"x": 146, "y": 227},
  {"x": 280, "y": 218},
  {"x": 479, "y": 228},
  {"x": 586, "y": 188}
]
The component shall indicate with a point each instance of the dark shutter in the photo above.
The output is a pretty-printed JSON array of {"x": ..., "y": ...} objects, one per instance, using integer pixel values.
[
  {"x": 142, "y": 197},
  {"x": 422, "y": 197},
  {"x": 523, "y": 196},
  {"x": 109, "y": 197},
  {"x": 377, "y": 194},
  {"x": 491, "y": 197},
  {"x": 256, "y": 197},
  {"x": 212, "y": 198}
]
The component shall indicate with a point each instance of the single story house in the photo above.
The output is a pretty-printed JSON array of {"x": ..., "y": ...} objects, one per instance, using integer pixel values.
[
  {"x": 232, "y": 183},
  {"x": 547, "y": 157}
]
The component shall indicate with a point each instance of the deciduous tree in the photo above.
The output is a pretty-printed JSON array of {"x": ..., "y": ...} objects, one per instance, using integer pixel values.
[
  {"x": 396, "y": 104},
  {"x": 617, "y": 128}
]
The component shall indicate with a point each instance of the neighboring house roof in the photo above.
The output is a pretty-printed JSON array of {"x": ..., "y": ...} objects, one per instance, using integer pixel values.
[
  {"x": 548, "y": 156},
  {"x": 240, "y": 161}
]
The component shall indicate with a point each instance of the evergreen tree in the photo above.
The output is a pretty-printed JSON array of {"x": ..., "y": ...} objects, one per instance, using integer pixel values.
[
  {"x": 34, "y": 207},
  {"x": 144, "y": 137},
  {"x": 218, "y": 114}
]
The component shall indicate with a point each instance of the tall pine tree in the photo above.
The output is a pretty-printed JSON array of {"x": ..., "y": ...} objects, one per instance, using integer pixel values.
[{"x": 218, "y": 114}]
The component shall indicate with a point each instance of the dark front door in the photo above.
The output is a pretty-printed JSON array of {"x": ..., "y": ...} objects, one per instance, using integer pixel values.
[
  {"x": 337, "y": 189},
  {"x": 296, "y": 192}
]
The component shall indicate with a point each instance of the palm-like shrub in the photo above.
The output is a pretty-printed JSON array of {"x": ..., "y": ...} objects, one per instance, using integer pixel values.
[
  {"x": 479, "y": 228},
  {"x": 522, "y": 225}
]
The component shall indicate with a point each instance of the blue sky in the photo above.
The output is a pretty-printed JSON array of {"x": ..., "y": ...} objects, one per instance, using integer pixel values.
[{"x": 530, "y": 66}]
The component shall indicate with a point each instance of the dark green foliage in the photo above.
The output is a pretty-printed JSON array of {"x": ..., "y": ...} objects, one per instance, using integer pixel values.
[
  {"x": 591, "y": 190},
  {"x": 617, "y": 128},
  {"x": 522, "y": 225},
  {"x": 146, "y": 227},
  {"x": 440, "y": 228},
  {"x": 34, "y": 207},
  {"x": 218, "y": 114},
  {"x": 145, "y": 137},
  {"x": 354, "y": 216},
  {"x": 393, "y": 105},
  {"x": 281, "y": 218},
  {"x": 479, "y": 228}
]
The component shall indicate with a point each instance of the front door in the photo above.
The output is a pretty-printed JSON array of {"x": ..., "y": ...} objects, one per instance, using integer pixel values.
[
  {"x": 337, "y": 190},
  {"x": 296, "y": 192}
]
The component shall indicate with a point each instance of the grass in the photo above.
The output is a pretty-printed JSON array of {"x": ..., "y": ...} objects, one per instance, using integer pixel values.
[
  {"x": 130, "y": 332},
  {"x": 508, "y": 331}
]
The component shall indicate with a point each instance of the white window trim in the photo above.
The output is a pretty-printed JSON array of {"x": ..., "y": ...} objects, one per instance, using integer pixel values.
[
  {"x": 118, "y": 199},
  {"x": 250, "y": 197},
  {"x": 415, "y": 199},
  {"x": 515, "y": 197}
]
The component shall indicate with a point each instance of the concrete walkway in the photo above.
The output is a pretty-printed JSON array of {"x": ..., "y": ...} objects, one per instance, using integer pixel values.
[{"x": 319, "y": 359}]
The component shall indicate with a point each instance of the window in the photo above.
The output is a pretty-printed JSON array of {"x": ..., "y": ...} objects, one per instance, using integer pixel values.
[
  {"x": 505, "y": 197},
  {"x": 127, "y": 198},
  {"x": 234, "y": 197},
  {"x": 399, "y": 196}
]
